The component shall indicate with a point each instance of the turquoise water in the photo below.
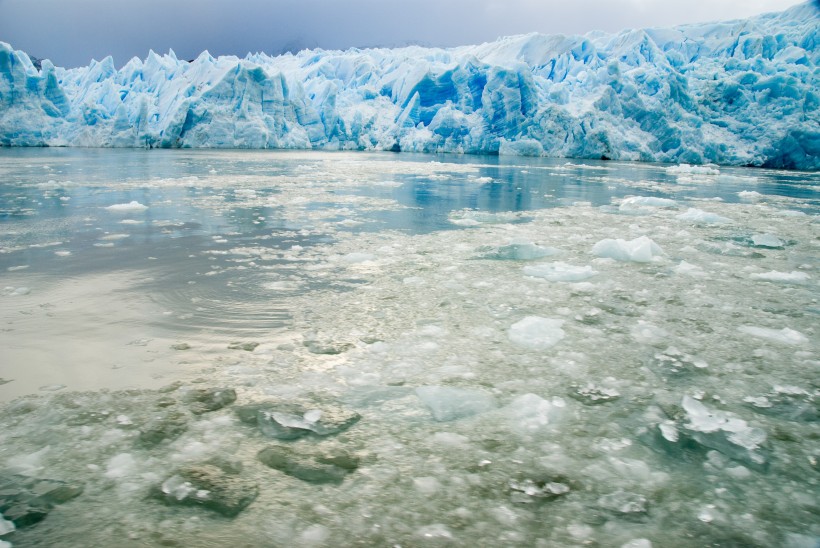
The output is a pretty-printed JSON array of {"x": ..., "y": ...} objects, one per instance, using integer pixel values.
[{"x": 542, "y": 353}]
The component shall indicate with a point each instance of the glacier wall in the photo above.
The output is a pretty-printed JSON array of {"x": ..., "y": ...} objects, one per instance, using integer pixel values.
[{"x": 738, "y": 93}]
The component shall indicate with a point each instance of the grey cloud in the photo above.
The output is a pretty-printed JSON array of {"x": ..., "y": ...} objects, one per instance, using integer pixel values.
[{"x": 70, "y": 33}]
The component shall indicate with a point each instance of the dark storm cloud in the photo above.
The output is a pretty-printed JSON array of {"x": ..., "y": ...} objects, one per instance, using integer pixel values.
[{"x": 71, "y": 32}]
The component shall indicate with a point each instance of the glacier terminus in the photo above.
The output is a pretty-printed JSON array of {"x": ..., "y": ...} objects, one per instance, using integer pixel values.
[{"x": 734, "y": 93}]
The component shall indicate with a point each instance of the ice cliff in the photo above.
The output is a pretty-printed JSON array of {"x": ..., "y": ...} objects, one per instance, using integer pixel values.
[{"x": 740, "y": 92}]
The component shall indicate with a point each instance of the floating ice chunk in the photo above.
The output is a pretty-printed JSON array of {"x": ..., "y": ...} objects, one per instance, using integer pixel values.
[
  {"x": 476, "y": 218},
  {"x": 6, "y": 526},
  {"x": 639, "y": 250},
  {"x": 793, "y": 277},
  {"x": 349, "y": 222},
  {"x": 790, "y": 403},
  {"x": 465, "y": 221},
  {"x": 766, "y": 240},
  {"x": 624, "y": 503},
  {"x": 784, "y": 336},
  {"x": 112, "y": 237},
  {"x": 698, "y": 216},
  {"x": 447, "y": 403},
  {"x": 4, "y": 544},
  {"x": 62, "y": 253},
  {"x": 647, "y": 333},
  {"x": 637, "y": 543},
  {"x": 530, "y": 413},
  {"x": 427, "y": 485},
  {"x": 795, "y": 540},
  {"x": 435, "y": 531},
  {"x": 689, "y": 269},
  {"x": 592, "y": 394},
  {"x": 120, "y": 466},
  {"x": 288, "y": 420},
  {"x": 357, "y": 258},
  {"x": 536, "y": 332},
  {"x": 750, "y": 195},
  {"x": 635, "y": 204},
  {"x": 686, "y": 169},
  {"x": 30, "y": 464},
  {"x": 559, "y": 272},
  {"x": 177, "y": 488},
  {"x": 450, "y": 439},
  {"x": 315, "y": 535},
  {"x": 282, "y": 285},
  {"x": 131, "y": 207},
  {"x": 723, "y": 432},
  {"x": 528, "y": 491},
  {"x": 15, "y": 291},
  {"x": 673, "y": 362},
  {"x": 525, "y": 251},
  {"x": 291, "y": 421}
]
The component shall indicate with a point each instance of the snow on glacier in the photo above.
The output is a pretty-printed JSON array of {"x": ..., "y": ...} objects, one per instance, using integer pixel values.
[{"x": 738, "y": 92}]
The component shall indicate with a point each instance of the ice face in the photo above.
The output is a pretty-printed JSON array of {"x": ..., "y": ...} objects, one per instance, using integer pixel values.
[{"x": 740, "y": 92}]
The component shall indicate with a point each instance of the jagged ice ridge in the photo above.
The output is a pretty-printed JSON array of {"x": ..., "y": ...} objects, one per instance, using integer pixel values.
[{"x": 734, "y": 93}]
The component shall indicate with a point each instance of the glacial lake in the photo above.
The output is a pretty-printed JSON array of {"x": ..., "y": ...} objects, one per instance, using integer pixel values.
[{"x": 271, "y": 348}]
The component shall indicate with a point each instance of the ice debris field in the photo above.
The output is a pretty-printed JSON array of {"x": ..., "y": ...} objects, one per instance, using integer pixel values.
[
  {"x": 341, "y": 349},
  {"x": 736, "y": 93}
]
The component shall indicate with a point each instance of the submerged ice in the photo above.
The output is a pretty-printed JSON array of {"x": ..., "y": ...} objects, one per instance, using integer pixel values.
[{"x": 738, "y": 92}]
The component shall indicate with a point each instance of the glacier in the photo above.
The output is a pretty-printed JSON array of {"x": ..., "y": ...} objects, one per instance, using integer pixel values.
[{"x": 741, "y": 92}]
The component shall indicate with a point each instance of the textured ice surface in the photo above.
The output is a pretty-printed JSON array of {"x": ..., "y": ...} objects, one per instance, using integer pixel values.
[
  {"x": 644, "y": 204},
  {"x": 695, "y": 215},
  {"x": 559, "y": 272},
  {"x": 448, "y": 403},
  {"x": 724, "y": 432},
  {"x": 766, "y": 240},
  {"x": 686, "y": 169},
  {"x": 784, "y": 335},
  {"x": 739, "y": 92},
  {"x": 793, "y": 277},
  {"x": 131, "y": 207},
  {"x": 536, "y": 332},
  {"x": 523, "y": 251},
  {"x": 639, "y": 250},
  {"x": 673, "y": 400}
]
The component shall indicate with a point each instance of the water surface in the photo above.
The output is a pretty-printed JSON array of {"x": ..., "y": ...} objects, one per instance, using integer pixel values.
[{"x": 542, "y": 353}]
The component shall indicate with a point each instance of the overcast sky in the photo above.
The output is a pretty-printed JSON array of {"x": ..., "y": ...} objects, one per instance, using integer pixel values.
[{"x": 72, "y": 32}]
